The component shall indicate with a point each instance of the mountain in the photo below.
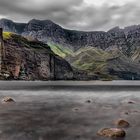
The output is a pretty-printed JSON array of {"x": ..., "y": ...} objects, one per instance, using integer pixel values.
[
  {"x": 10, "y": 26},
  {"x": 48, "y": 32},
  {"x": 114, "y": 54},
  {"x": 32, "y": 60}
]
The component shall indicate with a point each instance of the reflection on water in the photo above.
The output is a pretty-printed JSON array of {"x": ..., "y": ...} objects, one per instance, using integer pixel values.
[{"x": 49, "y": 112}]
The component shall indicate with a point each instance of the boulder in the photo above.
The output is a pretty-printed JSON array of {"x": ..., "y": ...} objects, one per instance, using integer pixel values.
[
  {"x": 122, "y": 123},
  {"x": 75, "y": 109},
  {"x": 8, "y": 100},
  {"x": 88, "y": 101},
  {"x": 126, "y": 113},
  {"x": 111, "y": 132},
  {"x": 131, "y": 102}
]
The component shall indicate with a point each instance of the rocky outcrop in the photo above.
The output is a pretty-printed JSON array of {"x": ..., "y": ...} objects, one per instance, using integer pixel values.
[{"x": 33, "y": 60}]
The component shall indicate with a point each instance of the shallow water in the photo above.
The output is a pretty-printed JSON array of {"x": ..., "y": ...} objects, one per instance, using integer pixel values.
[{"x": 58, "y": 111}]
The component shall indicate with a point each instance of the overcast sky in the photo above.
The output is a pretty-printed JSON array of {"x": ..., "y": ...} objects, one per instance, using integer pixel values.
[{"x": 74, "y": 14}]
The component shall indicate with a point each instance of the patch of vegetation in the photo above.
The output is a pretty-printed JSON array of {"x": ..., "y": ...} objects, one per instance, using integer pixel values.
[
  {"x": 61, "y": 51},
  {"x": 90, "y": 66},
  {"x": 93, "y": 61},
  {"x": 7, "y": 35},
  {"x": 90, "y": 59}
]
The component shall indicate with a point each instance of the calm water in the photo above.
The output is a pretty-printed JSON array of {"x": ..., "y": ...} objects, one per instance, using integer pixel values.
[{"x": 59, "y": 111}]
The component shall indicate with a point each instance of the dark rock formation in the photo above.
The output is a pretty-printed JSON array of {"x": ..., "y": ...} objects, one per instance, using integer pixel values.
[{"x": 33, "y": 60}]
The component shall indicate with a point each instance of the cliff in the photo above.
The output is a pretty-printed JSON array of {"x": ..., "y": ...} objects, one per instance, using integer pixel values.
[{"x": 32, "y": 60}]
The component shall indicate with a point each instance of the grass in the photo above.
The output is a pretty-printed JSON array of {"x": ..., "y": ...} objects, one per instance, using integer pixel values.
[
  {"x": 61, "y": 51},
  {"x": 90, "y": 66},
  {"x": 93, "y": 61},
  {"x": 7, "y": 35}
]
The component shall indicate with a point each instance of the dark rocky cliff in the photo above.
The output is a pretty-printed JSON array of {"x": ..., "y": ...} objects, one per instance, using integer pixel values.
[{"x": 32, "y": 60}]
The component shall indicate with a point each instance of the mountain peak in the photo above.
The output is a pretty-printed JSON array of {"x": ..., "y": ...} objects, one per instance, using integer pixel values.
[
  {"x": 37, "y": 20},
  {"x": 115, "y": 29},
  {"x": 37, "y": 25},
  {"x": 10, "y": 26},
  {"x": 42, "y": 22},
  {"x": 5, "y": 20}
]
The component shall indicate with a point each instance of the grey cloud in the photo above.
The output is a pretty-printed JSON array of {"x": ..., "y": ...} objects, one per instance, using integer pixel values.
[{"x": 73, "y": 14}]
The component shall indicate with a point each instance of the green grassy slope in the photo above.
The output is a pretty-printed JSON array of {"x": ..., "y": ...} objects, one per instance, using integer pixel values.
[
  {"x": 90, "y": 59},
  {"x": 106, "y": 64},
  {"x": 61, "y": 51},
  {"x": 7, "y": 35}
]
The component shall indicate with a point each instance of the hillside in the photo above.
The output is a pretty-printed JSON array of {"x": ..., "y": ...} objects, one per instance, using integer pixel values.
[{"x": 105, "y": 64}]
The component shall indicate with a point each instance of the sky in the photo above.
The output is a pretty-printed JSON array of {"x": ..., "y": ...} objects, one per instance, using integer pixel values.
[{"x": 86, "y": 15}]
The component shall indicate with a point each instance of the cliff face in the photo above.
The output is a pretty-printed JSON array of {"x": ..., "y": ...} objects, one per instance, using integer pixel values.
[{"x": 32, "y": 60}]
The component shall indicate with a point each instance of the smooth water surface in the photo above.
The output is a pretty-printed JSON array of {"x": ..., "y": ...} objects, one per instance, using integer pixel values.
[{"x": 61, "y": 110}]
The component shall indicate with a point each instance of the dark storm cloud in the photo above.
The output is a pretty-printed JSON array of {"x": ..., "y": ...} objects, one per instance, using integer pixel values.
[
  {"x": 106, "y": 17},
  {"x": 73, "y": 14}
]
